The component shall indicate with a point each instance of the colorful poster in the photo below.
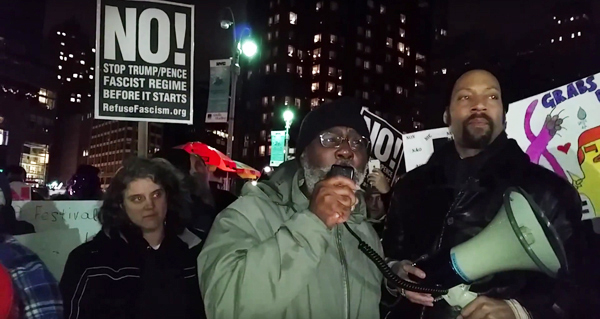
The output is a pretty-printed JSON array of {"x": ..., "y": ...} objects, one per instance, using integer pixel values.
[
  {"x": 420, "y": 145},
  {"x": 218, "y": 91},
  {"x": 560, "y": 130},
  {"x": 386, "y": 144},
  {"x": 277, "y": 148},
  {"x": 144, "y": 61}
]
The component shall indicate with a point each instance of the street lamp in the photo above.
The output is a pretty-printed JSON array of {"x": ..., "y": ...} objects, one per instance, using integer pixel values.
[
  {"x": 288, "y": 117},
  {"x": 248, "y": 48}
]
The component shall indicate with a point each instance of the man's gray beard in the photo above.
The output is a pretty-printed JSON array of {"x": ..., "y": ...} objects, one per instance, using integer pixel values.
[{"x": 313, "y": 175}]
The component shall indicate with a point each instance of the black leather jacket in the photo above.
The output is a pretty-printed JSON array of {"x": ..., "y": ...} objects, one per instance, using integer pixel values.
[{"x": 429, "y": 213}]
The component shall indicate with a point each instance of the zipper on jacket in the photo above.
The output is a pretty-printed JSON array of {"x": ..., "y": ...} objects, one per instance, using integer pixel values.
[
  {"x": 455, "y": 202},
  {"x": 345, "y": 271}
]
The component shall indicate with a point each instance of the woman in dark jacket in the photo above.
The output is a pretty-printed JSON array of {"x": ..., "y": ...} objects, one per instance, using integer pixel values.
[{"x": 142, "y": 264}]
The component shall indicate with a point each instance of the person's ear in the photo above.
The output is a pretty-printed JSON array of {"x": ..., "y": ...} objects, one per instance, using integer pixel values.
[{"x": 447, "y": 117}]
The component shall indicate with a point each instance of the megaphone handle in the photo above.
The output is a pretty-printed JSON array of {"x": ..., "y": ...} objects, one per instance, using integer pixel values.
[{"x": 460, "y": 296}]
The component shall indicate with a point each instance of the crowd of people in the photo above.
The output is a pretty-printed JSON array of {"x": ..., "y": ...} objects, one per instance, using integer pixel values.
[{"x": 172, "y": 245}]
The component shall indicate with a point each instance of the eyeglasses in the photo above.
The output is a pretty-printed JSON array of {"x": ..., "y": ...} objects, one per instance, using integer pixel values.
[{"x": 332, "y": 140}]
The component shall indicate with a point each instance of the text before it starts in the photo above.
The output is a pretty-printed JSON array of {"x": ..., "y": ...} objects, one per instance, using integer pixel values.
[{"x": 147, "y": 96}]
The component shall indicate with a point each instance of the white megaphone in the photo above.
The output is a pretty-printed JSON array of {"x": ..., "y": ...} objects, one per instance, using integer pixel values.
[{"x": 520, "y": 237}]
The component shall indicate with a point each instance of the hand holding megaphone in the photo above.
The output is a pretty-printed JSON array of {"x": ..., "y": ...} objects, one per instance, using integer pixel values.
[{"x": 333, "y": 199}]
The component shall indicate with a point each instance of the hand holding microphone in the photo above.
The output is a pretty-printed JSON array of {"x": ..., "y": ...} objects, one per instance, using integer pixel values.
[{"x": 333, "y": 199}]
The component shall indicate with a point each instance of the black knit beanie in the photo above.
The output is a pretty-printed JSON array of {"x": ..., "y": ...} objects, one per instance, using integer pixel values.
[{"x": 341, "y": 112}]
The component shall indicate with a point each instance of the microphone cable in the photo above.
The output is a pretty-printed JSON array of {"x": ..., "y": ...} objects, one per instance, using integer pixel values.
[{"x": 388, "y": 272}]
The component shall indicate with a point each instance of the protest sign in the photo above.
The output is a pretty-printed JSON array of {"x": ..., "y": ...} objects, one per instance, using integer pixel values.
[
  {"x": 53, "y": 247},
  {"x": 277, "y": 148},
  {"x": 386, "y": 143},
  {"x": 20, "y": 191},
  {"x": 144, "y": 61},
  {"x": 60, "y": 215},
  {"x": 560, "y": 130},
  {"x": 420, "y": 145},
  {"x": 218, "y": 91}
]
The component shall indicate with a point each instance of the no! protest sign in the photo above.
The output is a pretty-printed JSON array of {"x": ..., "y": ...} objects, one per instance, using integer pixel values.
[{"x": 144, "y": 61}]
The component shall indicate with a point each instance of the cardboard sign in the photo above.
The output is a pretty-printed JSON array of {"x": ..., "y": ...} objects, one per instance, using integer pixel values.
[
  {"x": 420, "y": 145},
  {"x": 61, "y": 215}
]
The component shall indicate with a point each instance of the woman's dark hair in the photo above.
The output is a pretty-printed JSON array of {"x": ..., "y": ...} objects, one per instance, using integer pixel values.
[{"x": 112, "y": 214}]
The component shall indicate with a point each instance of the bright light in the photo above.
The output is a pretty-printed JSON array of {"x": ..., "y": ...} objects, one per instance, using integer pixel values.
[
  {"x": 254, "y": 183},
  {"x": 267, "y": 169},
  {"x": 249, "y": 48},
  {"x": 288, "y": 116},
  {"x": 93, "y": 49}
]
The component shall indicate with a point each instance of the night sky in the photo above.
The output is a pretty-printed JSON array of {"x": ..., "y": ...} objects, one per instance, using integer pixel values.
[{"x": 500, "y": 18}]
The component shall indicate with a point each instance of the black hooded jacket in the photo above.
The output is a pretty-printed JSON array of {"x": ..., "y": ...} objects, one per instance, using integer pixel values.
[
  {"x": 118, "y": 275},
  {"x": 448, "y": 201}
]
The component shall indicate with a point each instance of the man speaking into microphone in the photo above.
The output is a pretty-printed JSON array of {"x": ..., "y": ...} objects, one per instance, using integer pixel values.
[{"x": 281, "y": 251}]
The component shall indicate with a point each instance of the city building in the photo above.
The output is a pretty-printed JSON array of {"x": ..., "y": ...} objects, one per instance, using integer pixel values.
[
  {"x": 312, "y": 52},
  {"x": 562, "y": 50},
  {"x": 27, "y": 91},
  {"x": 114, "y": 141},
  {"x": 71, "y": 53}
]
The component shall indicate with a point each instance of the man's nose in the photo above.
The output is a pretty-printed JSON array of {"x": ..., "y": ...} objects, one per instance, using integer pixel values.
[
  {"x": 479, "y": 104},
  {"x": 344, "y": 151}
]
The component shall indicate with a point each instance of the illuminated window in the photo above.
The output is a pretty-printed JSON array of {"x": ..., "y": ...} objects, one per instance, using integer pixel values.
[
  {"x": 444, "y": 71},
  {"x": 332, "y": 38},
  {"x": 331, "y": 55},
  {"x": 317, "y": 38},
  {"x": 400, "y": 61},
  {"x": 276, "y": 18},
  {"x": 288, "y": 100},
  {"x": 443, "y": 32},
  {"x": 579, "y": 33},
  {"x": 270, "y": 20},
  {"x": 359, "y": 46},
  {"x": 267, "y": 69},
  {"x": 47, "y": 98},
  {"x": 314, "y": 102},
  {"x": 420, "y": 57},
  {"x": 402, "y": 18},
  {"x": 339, "y": 90},
  {"x": 290, "y": 51},
  {"x": 402, "y": 33},
  {"x": 297, "y": 102},
  {"x": 269, "y": 36},
  {"x": 315, "y": 86},
  {"x": 399, "y": 89},
  {"x": 316, "y": 69},
  {"x": 368, "y": 33},
  {"x": 293, "y": 18},
  {"x": 290, "y": 68},
  {"x": 261, "y": 150},
  {"x": 379, "y": 68},
  {"x": 419, "y": 83},
  {"x": 317, "y": 53},
  {"x": 401, "y": 47},
  {"x": 319, "y": 5},
  {"x": 330, "y": 86},
  {"x": 389, "y": 42},
  {"x": 299, "y": 70},
  {"x": 340, "y": 74},
  {"x": 365, "y": 95},
  {"x": 265, "y": 101},
  {"x": 382, "y": 9}
]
